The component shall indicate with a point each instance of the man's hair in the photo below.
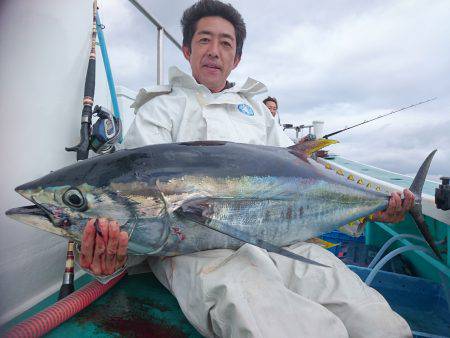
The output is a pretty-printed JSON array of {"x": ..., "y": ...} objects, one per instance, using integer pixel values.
[
  {"x": 204, "y": 8},
  {"x": 270, "y": 99}
]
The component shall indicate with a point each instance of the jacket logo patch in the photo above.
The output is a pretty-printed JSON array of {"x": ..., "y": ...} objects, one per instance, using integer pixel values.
[{"x": 245, "y": 109}]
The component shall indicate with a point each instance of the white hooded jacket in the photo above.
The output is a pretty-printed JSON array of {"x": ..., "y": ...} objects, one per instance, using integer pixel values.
[{"x": 188, "y": 111}]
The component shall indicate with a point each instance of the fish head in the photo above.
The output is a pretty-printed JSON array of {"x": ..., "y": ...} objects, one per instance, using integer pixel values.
[
  {"x": 62, "y": 210},
  {"x": 64, "y": 200}
]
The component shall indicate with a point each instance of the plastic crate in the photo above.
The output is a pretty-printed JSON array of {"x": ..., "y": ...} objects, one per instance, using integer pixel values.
[
  {"x": 337, "y": 237},
  {"x": 424, "y": 304}
]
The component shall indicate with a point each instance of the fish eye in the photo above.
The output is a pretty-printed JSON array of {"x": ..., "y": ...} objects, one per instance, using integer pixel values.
[{"x": 74, "y": 199}]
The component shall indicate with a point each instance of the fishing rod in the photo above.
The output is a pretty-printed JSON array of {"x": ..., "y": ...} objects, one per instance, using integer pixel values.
[
  {"x": 82, "y": 148},
  {"x": 107, "y": 130},
  {"x": 379, "y": 117},
  {"x": 100, "y": 137}
]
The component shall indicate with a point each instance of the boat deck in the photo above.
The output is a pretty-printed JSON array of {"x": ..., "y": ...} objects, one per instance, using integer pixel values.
[{"x": 139, "y": 306}]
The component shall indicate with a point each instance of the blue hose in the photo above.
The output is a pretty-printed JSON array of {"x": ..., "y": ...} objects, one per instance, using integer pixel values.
[
  {"x": 109, "y": 77},
  {"x": 390, "y": 255},
  {"x": 388, "y": 243}
]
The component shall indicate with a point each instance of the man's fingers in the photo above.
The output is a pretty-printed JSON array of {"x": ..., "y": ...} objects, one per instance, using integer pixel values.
[
  {"x": 397, "y": 208},
  {"x": 98, "y": 258},
  {"x": 87, "y": 244},
  {"x": 103, "y": 225},
  {"x": 111, "y": 247},
  {"x": 103, "y": 246},
  {"x": 113, "y": 236},
  {"x": 398, "y": 202},
  {"x": 411, "y": 202},
  {"x": 409, "y": 199},
  {"x": 121, "y": 255},
  {"x": 391, "y": 206},
  {"x": 406, "y": 205}
]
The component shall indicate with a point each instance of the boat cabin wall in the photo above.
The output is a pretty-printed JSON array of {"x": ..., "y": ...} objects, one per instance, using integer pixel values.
[{"x": 44, "y": 51}]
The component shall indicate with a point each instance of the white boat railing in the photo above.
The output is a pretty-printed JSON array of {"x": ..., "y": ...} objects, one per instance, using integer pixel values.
[{"x": 159, "y": 42}]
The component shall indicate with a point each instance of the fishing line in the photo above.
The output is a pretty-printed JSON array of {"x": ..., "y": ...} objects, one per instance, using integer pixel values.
[{"x": 379, "y": 117}]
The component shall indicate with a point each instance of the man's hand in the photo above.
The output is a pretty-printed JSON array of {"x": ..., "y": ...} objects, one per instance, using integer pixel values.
[
  {"x": 103, "y": 251},
  {"x": 396, "y": 208}
]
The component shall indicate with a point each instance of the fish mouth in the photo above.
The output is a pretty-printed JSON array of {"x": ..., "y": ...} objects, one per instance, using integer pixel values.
[
  {"x": 29, "y": 210},
  {"x": 37, "y": 210},
  {"x": 38, "y": 217}
]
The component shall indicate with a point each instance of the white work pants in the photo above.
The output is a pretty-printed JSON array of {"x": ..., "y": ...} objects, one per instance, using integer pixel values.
[{"x": 252, "y": 293}]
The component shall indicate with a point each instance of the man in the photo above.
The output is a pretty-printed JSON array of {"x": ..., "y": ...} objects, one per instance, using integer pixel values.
[
  {"x": 272, "y": 104},
  {"x": 248, "y": 292}
]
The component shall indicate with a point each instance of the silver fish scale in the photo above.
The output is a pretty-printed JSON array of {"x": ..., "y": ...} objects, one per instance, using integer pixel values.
[{"x": 279, "y": 210}]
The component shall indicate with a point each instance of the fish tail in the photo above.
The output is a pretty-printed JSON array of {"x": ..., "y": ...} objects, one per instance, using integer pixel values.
[{"x": 416, "y": 211}]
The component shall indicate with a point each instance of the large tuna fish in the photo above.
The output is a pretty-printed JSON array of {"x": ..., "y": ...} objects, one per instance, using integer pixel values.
[{"x": 180, "y": 198}]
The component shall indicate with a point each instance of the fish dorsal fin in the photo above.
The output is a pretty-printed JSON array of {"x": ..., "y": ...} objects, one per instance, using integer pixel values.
[{"x": 310, "y": 146}]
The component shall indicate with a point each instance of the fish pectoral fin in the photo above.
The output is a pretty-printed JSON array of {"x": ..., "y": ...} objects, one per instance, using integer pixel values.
[
  {"x": 201, "y": 212},
  {"x": 310, "y": 146}
]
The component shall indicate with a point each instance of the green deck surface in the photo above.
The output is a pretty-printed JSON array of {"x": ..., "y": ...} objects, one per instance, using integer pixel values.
[{"x": 138, "y": 306}]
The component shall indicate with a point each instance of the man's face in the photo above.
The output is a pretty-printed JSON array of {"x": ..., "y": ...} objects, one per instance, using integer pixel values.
[
  {"x": 213, "y": 52},
  {"x": 272, "y": 107}
]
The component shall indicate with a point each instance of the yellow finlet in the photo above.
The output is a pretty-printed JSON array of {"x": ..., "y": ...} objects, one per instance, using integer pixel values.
[
  {"x": 378, "y": 188},
  {"x": 340, "y": 172},
  {"x": 328, "y": 166},
  {"x": 351, "y": 177},
  {"x": 321, "y": 242},
  {"x": 369, "y": 185},
  {"x": 360, "y": 181},
  {"x": 311, "y": 146}
]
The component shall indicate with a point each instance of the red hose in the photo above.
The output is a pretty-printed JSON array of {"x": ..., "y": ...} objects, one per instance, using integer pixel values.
[{"x": 54, "y": 315}]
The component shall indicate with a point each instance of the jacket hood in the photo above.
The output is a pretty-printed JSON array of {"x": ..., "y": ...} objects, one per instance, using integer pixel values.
[
  {"x": 178, "y": 78},
  {"x": 250, "y": 88}
]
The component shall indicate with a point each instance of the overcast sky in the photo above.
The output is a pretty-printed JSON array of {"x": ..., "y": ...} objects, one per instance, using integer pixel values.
[{"x": 337, "y": 61}]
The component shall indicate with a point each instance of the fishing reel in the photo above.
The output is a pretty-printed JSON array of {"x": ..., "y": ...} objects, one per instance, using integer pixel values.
[
  {"x": 442, "y": 194},
  {"x": 105, "y": 132}
]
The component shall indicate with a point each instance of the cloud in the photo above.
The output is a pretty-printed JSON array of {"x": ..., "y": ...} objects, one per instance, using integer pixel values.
[
  {"x": 375, "y": 56},
  {"x": 340, "y": 62}
]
